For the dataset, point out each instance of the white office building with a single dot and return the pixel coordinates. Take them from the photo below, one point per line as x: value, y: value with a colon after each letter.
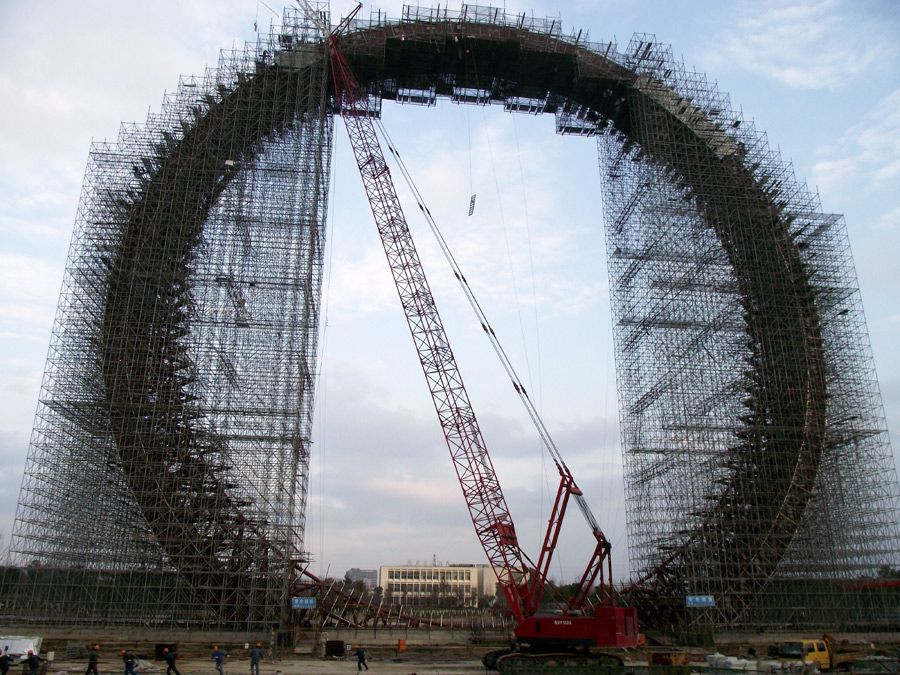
x: 459, y: 585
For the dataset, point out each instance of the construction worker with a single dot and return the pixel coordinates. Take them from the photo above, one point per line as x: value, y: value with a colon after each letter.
x: 170, y: 662
x: 361, y: 659
x: 255, y: 658
x: 128, y: 658
x: 219, y: 657
x: 34, y: 662
x: 93, y: 659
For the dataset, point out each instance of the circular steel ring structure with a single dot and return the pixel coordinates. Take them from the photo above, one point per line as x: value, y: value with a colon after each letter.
x: 148, y: 302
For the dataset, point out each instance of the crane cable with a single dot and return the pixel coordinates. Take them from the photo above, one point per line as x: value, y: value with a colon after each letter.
x: 471, y: 60
x: 542, y: 430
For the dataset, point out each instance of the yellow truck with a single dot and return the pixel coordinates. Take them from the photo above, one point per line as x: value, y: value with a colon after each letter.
x: 825, y: 652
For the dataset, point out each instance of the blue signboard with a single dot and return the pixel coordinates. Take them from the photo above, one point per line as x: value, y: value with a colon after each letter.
x: 700, y: 601
x: 303, y: 603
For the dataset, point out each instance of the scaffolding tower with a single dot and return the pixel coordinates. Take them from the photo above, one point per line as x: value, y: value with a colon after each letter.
x: 167, y: 473
x: 166, y: 477
x: 758, y: 466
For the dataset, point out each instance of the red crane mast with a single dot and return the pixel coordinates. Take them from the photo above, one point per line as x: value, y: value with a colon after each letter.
x: 484, y: 497
x: 522, y: 582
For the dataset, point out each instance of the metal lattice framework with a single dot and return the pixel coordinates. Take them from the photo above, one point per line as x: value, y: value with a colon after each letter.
x: 167, y: 472
x: 757, y: 460
x: 166, y: 481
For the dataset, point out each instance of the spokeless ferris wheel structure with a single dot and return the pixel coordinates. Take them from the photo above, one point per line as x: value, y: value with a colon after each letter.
x: 169, y: 460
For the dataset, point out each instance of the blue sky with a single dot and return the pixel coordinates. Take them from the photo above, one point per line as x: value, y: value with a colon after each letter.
x: 821, y: 78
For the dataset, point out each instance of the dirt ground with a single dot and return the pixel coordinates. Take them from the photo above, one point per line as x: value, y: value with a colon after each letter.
x: 399, y: 665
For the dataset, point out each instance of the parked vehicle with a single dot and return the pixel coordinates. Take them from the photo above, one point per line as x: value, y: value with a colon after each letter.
x: 825, y: 652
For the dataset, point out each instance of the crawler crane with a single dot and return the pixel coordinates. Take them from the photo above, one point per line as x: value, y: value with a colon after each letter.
x: 561, y: 636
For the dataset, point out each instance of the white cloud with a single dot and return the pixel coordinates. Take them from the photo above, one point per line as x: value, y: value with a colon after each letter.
x: 866, y: 159
x: 890, y: 221
x: 809, y: 45
x: 30, y: 286
x: 415, y: 488
x: 360, y: 282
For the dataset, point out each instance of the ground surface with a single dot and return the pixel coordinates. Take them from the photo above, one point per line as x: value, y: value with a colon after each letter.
x: 400, y: 665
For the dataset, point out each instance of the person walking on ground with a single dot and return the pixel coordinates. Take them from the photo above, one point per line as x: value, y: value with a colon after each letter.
x: 361, y: 658
x: 4, y: 663
x: 219, y: 656
x: 170, y: 662
x: 34, y: 662
x: 255, y: 658
x: 128, y: 658
x: 93, y: 659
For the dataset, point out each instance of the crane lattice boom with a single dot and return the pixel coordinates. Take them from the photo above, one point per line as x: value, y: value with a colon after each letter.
x: 523, y: 583
x: 485, y: 500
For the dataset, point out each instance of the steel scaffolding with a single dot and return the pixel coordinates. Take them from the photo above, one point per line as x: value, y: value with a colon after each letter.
x: 758, y: 467
x: 166, y: 478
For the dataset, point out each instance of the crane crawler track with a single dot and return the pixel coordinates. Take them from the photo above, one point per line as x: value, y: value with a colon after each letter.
x: 574, y: 663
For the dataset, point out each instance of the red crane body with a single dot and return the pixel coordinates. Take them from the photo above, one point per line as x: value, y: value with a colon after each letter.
x: 574, y: 623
